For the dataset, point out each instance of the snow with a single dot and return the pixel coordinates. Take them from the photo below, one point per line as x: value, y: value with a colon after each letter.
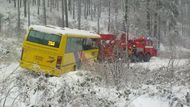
x: 177, y: 48
x: 58, y: 30
x: 146, y: 101
x: 146, y: 96
x: 41, y: 90
x: 156, y: 63
x: 38, y: 90
x: 7, y: 70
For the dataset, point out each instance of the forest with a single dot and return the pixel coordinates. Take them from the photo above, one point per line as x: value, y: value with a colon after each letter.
x: 156, y: 18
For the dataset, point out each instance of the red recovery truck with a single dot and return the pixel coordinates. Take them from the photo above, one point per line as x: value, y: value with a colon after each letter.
x: 139, y: 49
x: 107, y: 44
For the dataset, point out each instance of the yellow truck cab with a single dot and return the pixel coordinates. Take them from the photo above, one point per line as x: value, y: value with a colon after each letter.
x: 55, y: 50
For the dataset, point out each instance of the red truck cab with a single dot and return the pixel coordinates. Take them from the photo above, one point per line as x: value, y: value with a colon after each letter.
x: 144, y: 48
x: 139, y: 49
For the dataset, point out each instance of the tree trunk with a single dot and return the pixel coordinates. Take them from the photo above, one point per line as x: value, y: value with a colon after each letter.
x: 18, y: 23
x: 44, y: 10
x: 15, y: 3
x: 63, y: 13
x: 1, y: 16
x: 94, y: 10
x: 159, y: 32
x: 38, y: 11
x: 69, y: 5
x: 148, y: 18
x: 0, y: 24
x: 51, y: 5
x: 29, y: 1
x: 91, y: 10
x: 99, y: 15
x: 88, y: 7
x: 25, y: 12
x: 85, y: 9
x: 66, y: 15
x: 57, y: 5
x: 74, y: 9
x: 20, y: 1
x: 109, y: 15
x: 155, y: 24
x: 126, y: 24
x: 79, y: 14
x: 126, y: 17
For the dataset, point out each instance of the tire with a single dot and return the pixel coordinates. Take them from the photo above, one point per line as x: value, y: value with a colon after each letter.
x: 147, y: 57
x: 140, y: 57
x: 133, y: 58
x: 74, y: 68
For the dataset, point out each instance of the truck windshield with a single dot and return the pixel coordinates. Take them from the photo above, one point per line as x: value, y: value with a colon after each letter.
x: 43, y: 38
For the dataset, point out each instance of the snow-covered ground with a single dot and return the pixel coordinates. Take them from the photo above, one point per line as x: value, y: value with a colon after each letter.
x: 156, y: 63
x: 19, y: 87
x: 80, y: 88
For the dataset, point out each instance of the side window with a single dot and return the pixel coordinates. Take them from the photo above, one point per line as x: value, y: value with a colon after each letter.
x: 89, y: 44
x: 73, y: 45
x: 68, y: 45
x: 78, y: 44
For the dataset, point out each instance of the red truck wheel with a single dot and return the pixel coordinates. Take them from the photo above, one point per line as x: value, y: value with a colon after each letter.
x: 147, y: 57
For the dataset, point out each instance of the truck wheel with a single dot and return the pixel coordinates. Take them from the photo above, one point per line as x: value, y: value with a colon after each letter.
x: 140, y: 57
x: 147, y: 57
x: 133, y: 58
x: 74, y: 68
